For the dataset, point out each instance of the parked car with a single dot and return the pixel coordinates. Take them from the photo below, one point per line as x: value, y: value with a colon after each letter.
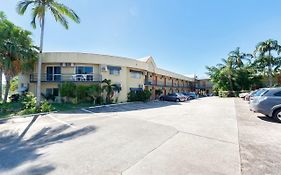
x: 172, y: 97
x: 190, y: 95
x: 247, y: 97
x: 185, y: 96
x: 268, y: 103
x: 256, y: 93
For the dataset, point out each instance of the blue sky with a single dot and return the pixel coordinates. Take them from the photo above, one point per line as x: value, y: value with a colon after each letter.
x: 182, y: 35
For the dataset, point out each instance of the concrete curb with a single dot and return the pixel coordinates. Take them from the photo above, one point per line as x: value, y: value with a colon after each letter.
x: 28, y: 115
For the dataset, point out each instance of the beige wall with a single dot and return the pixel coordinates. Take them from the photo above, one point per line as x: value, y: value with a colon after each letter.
x: 97, y: 61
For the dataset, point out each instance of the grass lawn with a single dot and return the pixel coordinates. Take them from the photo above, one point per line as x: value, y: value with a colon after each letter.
x: 11, y: 109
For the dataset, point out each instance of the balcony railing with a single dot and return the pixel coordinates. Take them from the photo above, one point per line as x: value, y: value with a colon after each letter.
x: 161, y: 84
x: 67, y: 77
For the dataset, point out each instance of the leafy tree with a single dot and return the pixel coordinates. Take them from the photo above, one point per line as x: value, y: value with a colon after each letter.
x: 265, y: 58
x: 39, y: 10
x: 234, y: 74
x: 17, y: 52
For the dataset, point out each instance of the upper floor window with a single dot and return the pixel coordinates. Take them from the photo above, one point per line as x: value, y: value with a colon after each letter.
x: 114, y: 70
x: 53, y: 73
x: 84, y: 70
x: 83, y: 73
x: 136, y: 74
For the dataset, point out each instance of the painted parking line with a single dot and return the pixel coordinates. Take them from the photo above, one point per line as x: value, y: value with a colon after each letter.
x: 61, y: 121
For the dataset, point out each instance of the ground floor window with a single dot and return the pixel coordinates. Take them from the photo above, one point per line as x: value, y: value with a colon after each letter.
x: 52, y: 92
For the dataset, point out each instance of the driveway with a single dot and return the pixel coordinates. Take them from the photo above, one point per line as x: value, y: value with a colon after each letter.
x: 155, y: 138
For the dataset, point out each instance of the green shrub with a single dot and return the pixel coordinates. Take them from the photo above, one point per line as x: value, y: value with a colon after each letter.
x: 68, y: 89
x: 46, y: 107
x: 29, y: 105
x: 82, y: 93
x: 139, y: 95
x: 228, y: 93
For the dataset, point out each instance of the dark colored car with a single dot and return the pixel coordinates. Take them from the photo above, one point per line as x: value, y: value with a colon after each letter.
x: 190, y: 95
x: 173, y: 97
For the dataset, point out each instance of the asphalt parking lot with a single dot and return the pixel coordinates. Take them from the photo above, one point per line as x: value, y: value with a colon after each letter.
x: 259, y: 139
x: 158, y: 138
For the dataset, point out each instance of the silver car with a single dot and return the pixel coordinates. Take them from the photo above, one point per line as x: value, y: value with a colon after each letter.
x: 268, y: 102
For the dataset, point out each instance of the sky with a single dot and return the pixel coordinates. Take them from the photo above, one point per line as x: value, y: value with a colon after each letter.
x: 182, y: 36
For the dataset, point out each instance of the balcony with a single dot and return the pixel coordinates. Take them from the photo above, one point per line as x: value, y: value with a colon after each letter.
x: 67, y: 77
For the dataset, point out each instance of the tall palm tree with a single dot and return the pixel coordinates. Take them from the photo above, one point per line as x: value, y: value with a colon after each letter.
x: 238, y: 57
x: 265, y: 57
x: 39, y: 10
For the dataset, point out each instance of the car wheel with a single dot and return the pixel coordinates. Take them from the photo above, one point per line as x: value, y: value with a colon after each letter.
x: 277, y: 115
x: 161, y: 99
x: 177, y: 100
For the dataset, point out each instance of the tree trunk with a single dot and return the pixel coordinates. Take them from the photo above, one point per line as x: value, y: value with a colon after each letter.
x: 39, y: 66
x: 270, y: 75
x: 270, y: 70
x: 7, y: 88
x: 1, y: 85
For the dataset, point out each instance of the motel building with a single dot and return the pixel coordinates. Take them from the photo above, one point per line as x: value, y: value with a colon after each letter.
x: 85, y: 68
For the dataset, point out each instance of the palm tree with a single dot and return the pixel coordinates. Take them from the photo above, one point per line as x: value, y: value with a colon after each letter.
x: 39, y: 10
x: 109, y: 89
x: 238, y: 57
x: 268, y: 60
x: 17, y: 54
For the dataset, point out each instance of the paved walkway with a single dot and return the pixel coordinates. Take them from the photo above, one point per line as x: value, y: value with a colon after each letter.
x: 157, y: 138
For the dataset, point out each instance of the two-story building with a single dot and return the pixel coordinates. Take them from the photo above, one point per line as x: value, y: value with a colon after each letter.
x: 86, y: 68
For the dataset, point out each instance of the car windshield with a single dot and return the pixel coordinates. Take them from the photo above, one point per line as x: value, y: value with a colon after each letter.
x: 260, y: 92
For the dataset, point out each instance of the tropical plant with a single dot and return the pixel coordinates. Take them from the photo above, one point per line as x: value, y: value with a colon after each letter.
x: 17, y: 52
x: 109, y: 89
x: 94, y: 92
x: 68, y: 90
x: 39, y: 10
x: 234, y: 74
x: 238, y: 57
x: 139, y: 95
x: 265, y: 58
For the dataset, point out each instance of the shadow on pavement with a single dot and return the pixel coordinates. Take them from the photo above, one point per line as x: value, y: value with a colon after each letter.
x: 132, y: 106
x: 15, y: 151
x: 268, y: 119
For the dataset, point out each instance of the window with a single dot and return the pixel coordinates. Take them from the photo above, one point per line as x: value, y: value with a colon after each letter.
x: 84, y: 73
x: 114, y: 70
x: 52, y: 91
x: 136, y: 74
x: 53, y: 73
x: 278, y: 94
x: 84, y: 70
